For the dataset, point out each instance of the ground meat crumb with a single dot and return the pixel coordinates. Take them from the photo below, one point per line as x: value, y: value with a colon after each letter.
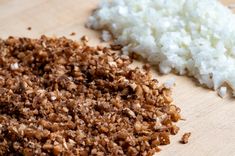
x: 146, y: 66
x: 60, y: 97
x: 185, y: 138
x: 72, y: 34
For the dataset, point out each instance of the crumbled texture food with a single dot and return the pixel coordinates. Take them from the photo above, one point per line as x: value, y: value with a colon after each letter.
x: 147, y: 66
x: 29, y: 28
x: 185, y: 137
x: 72, y: 34
x: 59, y: 97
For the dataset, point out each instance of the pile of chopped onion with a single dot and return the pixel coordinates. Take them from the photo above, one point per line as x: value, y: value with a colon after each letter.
x: 193, y: 37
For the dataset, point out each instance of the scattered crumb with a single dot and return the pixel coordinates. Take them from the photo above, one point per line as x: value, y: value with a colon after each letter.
x: 72, y: 34
x: 29, y: 28
x: 182, y: 119
x: 84, y: 39
x: 134, y: 56
x: 116, y: 47
x: 185, y: 137
x: 147, y: 66
x: 100, y: 47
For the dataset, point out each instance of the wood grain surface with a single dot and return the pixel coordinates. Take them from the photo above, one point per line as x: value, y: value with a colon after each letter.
x: 210, y: 118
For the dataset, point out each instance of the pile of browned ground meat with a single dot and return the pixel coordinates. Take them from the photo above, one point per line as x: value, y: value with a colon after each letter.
x: 60, y: 97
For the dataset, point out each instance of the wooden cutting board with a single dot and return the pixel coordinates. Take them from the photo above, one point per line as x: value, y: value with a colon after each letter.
x: 210, y: 118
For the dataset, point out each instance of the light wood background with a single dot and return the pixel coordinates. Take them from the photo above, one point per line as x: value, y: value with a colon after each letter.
x: 210, y: 118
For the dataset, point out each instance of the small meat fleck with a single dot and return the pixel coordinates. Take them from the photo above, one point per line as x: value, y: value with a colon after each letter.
x: 73, y: 34
x: 185, y: 138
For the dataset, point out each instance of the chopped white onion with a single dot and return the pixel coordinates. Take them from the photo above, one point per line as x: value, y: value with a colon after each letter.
x: 222, y: 92
x: 193, y: 37
x: 14, y: 66
x: 170, y: 83
x: 53, y: 98
x: 106, y: 36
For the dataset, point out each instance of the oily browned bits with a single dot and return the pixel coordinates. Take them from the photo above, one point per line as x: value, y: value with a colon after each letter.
x: 185, y: 138
x: 134, y: 56
x: 72, y: 33
x: 147, y: 66
x: 116, y: 47
x: 84, y: 39
x: 174, y: 130
x: 67, y: 98
x: 47, y: 146
x: 164, y: 138
x: 57, y: 150
x: 175, y: 116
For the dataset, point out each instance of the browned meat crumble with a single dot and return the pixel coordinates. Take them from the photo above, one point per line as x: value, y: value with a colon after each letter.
x: 59, y: 97
x: 72, y: 34
x: 185, y: 138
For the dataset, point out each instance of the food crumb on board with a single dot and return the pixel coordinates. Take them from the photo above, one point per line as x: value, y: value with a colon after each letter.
x: 68, y: 98
x: 29, y: 28
x: 72, y: 34
x: 185, y: 138
x: 147, y: 66
x: 84, y: 38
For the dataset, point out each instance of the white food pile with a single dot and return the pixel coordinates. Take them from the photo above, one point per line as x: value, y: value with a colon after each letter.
x: 193, y: 37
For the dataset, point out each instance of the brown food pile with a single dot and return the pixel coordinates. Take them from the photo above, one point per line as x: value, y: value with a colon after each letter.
x: 62, y: 97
